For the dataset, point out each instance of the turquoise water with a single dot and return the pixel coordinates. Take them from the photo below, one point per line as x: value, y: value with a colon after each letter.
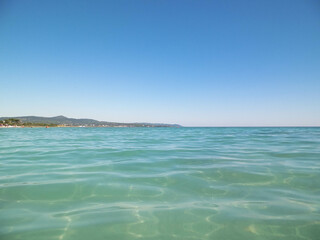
x: 160, y: 183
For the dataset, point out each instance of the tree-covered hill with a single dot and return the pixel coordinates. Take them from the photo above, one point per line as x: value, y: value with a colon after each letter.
x: 62, y: 120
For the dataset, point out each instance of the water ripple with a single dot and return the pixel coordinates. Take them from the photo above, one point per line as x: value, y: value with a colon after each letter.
x: 160, y: 183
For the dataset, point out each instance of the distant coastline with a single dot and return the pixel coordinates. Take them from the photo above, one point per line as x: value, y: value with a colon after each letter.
x: 62, y: 121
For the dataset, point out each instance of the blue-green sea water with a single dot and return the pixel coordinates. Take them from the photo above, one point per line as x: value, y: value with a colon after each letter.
x: 160, y: 183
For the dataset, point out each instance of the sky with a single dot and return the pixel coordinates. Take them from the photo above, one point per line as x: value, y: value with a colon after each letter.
x: 194, y: 63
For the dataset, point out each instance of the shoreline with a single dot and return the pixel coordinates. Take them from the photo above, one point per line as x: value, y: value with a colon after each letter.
x: 84, y: 127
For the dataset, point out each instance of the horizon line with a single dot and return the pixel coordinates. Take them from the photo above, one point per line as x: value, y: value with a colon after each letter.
x: 219, y: 126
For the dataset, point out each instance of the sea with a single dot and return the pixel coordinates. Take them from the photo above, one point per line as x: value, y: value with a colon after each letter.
x: 160, y: 183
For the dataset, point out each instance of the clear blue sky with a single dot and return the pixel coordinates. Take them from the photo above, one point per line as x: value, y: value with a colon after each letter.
x: 196, y: 63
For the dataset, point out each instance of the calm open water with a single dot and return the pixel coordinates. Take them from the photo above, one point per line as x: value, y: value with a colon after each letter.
x: 160, y: 183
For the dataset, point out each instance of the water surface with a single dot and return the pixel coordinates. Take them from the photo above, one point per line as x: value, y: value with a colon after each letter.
x: 160, y: 183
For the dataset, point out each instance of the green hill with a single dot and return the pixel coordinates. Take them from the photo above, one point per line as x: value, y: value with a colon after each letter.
x: 62, y: 120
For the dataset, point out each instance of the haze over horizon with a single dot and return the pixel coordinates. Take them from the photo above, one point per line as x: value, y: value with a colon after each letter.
x: 194, y: 63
